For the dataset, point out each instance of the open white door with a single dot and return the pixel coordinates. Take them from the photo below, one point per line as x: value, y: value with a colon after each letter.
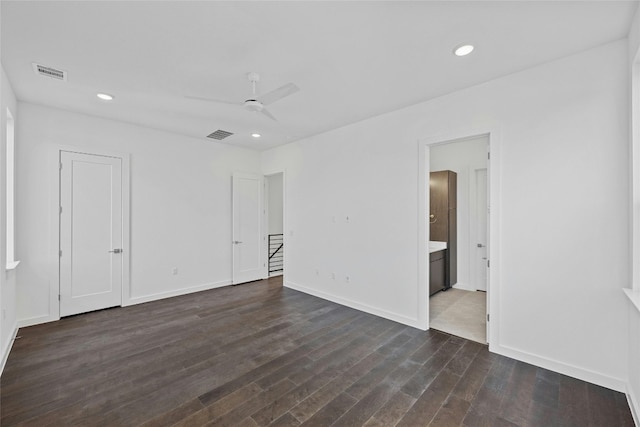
x: 90, y: 232
x: 482, y: 227
x: 248, y: 224
x: 480, y: 261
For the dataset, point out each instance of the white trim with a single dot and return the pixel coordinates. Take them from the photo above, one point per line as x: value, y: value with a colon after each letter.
x: 12, y: 265
x: 8, y: 347
x: 36, y: 320
x: 176, y: 292
x: 634, y: 297
x: 354, y: 304
x: 464, y: 286
x: 617, y: 384
x: 633, y: 405
x: 54, y: 200
x: 494, y: 194
x: 10, y: 191
x: 634, y: 159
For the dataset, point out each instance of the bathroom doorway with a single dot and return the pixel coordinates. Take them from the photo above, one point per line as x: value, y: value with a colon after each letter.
x: 458, y: 257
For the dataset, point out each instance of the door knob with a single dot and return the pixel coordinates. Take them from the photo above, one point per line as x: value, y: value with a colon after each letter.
x: 480, y: 245
x: 116, y: 251
x: 235, y: 242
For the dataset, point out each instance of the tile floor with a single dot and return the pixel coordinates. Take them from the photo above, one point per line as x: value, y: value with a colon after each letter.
x: 461, y: 313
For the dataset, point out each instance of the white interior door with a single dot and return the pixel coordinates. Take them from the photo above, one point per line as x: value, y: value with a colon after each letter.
x: 90, y: 232
x: 481, y: 230
x: 248, y: 224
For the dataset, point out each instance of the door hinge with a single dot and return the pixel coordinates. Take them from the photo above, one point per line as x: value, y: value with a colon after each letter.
x: 60, y: 209
x: 488, y: 155
x: 487, y: 317
x: 60, y: 168
x: 58, y: 297
x: 488, y: 264
x: 60, y: 253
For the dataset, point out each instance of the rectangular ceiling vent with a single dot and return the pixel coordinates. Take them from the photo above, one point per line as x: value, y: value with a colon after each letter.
x: 219, y: 134
x: 50, y: 72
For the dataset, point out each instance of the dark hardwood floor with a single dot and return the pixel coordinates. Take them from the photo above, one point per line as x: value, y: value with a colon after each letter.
x: 260, y: 354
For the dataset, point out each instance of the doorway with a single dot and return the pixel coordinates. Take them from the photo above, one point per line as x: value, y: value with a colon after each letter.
x: 274, y: 200
x: 92, y: 221
x: 459, y: 305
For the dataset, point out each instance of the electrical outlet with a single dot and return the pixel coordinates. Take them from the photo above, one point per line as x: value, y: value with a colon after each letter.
x: 347, y: 279
x: 333, y: 276
x: 347, y: 218
x: 174, y: 271
x: 317, y: 272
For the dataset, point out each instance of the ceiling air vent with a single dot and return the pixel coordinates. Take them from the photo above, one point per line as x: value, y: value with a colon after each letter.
x: 219, y: 134
x: 49, y: 72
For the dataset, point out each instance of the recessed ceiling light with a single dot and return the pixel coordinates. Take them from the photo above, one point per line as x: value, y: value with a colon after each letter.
x: 256, y: 135
x: 105, y: 96
x: 463, y: 50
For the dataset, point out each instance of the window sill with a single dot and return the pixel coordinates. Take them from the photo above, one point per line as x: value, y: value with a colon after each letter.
x: 634, y: 296
x: 12, y: 265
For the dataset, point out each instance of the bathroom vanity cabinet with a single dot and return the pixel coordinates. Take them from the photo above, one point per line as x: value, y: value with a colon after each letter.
x: 443, y: 220
x: 437, y: 274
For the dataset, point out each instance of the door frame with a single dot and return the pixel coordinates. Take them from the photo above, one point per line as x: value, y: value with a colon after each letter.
x: 493, y: 133
x: 54, y: 217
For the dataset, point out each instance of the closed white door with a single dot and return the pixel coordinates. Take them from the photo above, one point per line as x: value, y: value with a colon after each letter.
x: 90, y: 232
x: 481, y: 230
x: 248, y: 224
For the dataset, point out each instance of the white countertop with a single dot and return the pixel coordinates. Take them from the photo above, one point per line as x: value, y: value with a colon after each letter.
x: 435, y: 246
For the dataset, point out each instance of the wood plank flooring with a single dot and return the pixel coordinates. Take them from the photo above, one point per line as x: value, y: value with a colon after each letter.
x: 259, y: 354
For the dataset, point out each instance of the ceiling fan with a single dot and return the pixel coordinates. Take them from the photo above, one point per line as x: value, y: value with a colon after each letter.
x: 256, y: 104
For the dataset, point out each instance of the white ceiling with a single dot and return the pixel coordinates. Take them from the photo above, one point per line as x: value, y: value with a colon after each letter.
x: 351, y: 60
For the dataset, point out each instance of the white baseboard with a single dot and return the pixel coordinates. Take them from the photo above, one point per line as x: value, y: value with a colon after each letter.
x: 31, y: 321
x: 356, y: 305
x: 175, y: 293
x: 7, y: 348
x: 597, y: 378
x: 464, y: 287
x: 633, y: 405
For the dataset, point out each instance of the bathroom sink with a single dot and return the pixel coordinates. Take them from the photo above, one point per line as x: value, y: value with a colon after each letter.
x: 435, y: 246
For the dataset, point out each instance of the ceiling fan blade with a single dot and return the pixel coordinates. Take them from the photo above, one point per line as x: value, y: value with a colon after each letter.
x: 219, y: 101
x: 268, y: 114
x: 279, y: 93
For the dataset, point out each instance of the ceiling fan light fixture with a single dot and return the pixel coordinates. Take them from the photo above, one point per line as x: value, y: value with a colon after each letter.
x: 463, y: 50
x: 253, y: 105
x: 256, y: 135
x: 105, y: 96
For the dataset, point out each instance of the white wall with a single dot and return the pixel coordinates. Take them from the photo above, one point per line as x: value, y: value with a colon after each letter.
x: 463, y: 157
x: 180, y: 204
x: 564, y: 210
x: 274, y: 202
x: 7, y: 277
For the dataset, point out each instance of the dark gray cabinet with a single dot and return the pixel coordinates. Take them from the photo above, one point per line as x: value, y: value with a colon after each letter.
x: 443, y: 219
x: 436, y: 271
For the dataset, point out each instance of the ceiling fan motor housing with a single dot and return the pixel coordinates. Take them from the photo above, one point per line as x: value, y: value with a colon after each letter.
x: 253, y: 105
